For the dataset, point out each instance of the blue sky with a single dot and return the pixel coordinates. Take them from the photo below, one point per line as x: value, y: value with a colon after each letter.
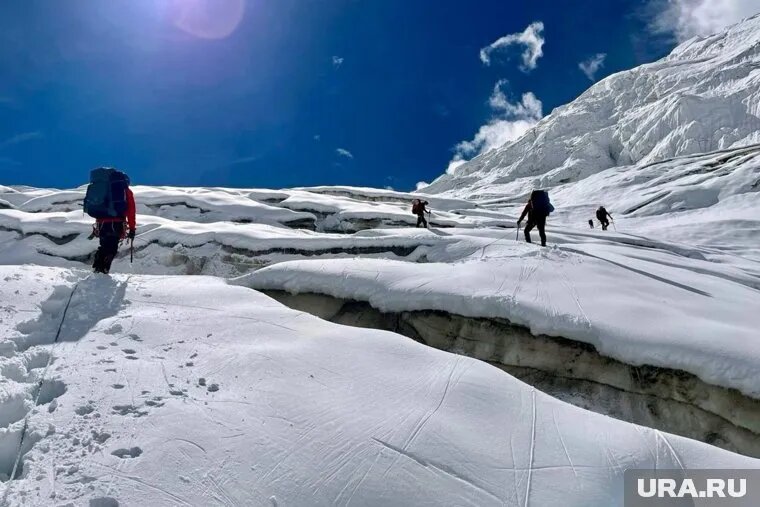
x: 275, y: 93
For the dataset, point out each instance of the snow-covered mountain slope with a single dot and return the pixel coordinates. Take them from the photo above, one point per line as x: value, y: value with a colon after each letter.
x: 224, y: 231
x: 682, y: 309
x: 704, y: 96
x: 710, y: 200
x: 187, y: 391
x: 638, y: 306
x: 694, y: 280
x: 623, y: 323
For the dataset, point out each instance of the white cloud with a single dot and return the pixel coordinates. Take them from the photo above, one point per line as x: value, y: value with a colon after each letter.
x: 591, y: 65
x: 20, y: 138
x: 532, y: 38
x: 344, y: 153
x: 337, y: 61
x: 529, y: 107
x: 510, y: 122
x: 317, y: 137
x: 687, y: 18
x: 421, y: 184
x: 243, y: 160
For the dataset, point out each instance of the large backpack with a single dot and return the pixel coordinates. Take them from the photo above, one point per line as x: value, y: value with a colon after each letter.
x: 540, y: 202
x: 416, y: 206
x: 106, y: 195
x: 601, y: 214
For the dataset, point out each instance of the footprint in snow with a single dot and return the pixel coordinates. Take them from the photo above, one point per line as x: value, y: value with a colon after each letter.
x: 155, y: 402
x: 84, y: 410
x: 100, y: 437
x: 129, y: 410
x: 115, y: 329
x: 133, y: 452
x: 104, y: 501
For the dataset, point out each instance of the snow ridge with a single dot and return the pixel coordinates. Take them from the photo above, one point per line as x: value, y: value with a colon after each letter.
x: 704, y: 96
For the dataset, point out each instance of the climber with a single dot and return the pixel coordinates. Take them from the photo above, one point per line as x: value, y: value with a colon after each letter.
x: 418, y: 208
x: 601, y: 215
x: 537, y: 209
x: 111, y: 203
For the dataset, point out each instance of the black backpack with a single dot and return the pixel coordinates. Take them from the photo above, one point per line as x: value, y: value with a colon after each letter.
x: 540, y: 203
x: 601, y: 214
x: 106, y: 195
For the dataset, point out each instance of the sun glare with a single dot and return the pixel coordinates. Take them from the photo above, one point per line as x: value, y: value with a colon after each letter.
x: 207, y: 19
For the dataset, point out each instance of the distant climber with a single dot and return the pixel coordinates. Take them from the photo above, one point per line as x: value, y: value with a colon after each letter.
x: 538, y: 208
x: 601, y: 215
x: 591, y: 223
x: 418, y: 208
x: 111, y: 203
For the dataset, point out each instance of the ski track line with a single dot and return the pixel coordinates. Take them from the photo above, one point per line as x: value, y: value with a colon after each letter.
x: 514, y: 470
x: 215, y: 489
x: 343, y: 459
x: 186, y: 441
x: 359, y: 483
x: 641, y: 272
x: 425, y: 420
x: 439, y: 468
x: 564, y: 447
x: 532, y: 447
x: 670, y: 447
x: 118, y: 473
x: 573, y: 293
x: 195, y: 307
x: 41, y: 381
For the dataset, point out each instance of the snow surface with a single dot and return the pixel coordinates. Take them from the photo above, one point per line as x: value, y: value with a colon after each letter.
x: 634, y: 305
x: 704, y: 96
x: 151, y: 400
x: 180, y: 390
x: 664, y: 301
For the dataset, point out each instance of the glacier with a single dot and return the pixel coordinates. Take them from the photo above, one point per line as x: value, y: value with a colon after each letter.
x: 704, y: 96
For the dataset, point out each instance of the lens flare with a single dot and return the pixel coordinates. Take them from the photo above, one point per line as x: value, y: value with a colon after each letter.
x: 207, y: 19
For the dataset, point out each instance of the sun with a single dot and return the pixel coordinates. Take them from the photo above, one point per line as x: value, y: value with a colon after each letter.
x: 207, y: 19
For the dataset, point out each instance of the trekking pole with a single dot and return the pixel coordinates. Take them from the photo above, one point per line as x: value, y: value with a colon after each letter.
x: 517, y: 235
x: 131, y: 250
x: 614, y: 226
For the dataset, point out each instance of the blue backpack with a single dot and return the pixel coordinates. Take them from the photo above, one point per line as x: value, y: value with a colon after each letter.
x: 540, y: 202
x: 106, y: 195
